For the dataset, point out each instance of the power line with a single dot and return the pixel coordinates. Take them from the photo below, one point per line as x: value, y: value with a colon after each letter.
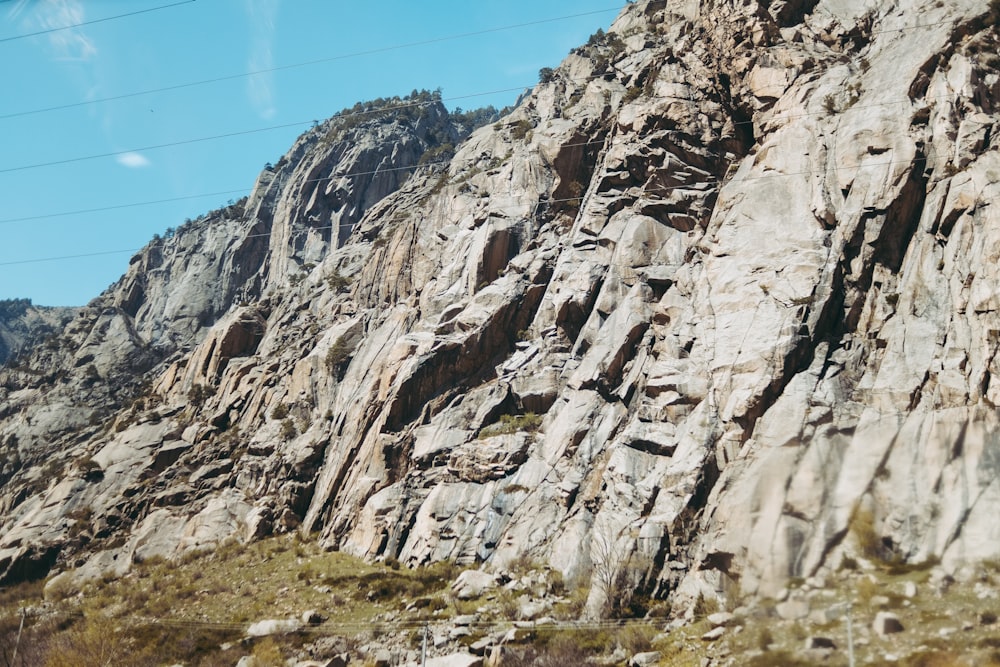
x: 55, y: 259
x: 116, y: 207
x: 308, y: 63
x: 107, y: 18
x: 332, y: 626
x: 184, y: 142
x: 398, y: 107
x: 688, y: 186
x: 345, y: 56
x: 112, y: 207
x: 339, y: 116
x: 297, y: 123
x: 848, y: 34
x: 321, y: 179
x: 327, y: 626
x: 919, y: 26
x: 258, y: 130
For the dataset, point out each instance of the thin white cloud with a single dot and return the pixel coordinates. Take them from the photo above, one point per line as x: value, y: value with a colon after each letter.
x: 133, y: 160
x: 72, y: 44
x: 16, y: 9
x: 260, y: 87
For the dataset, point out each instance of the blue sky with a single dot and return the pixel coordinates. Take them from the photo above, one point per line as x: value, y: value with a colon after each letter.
x: 161, y: 46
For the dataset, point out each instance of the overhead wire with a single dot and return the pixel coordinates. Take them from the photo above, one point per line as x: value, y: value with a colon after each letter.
x: 329, y: 628
x: 321, y: 179
x: 330, y: 624
x: 334, y: 627
x: 301, y: 123
x: 884, y: 31
x: 308, y: 63
x: 92, y: 22
x: 355, y: 174
x: 39, y: 260
x: 226, y: 135
x: 183, y: 142
x: 346, y: 114
x: 345, y: 56
x: 381, y: 110
x: 115, y: 207
x: 400, y: 624
x: 686, y: 186
x: 111, y: 207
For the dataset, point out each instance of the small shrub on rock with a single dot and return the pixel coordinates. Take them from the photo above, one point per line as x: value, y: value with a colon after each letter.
x: 529, y: 422
x: 993, y: 16
x: 520, y: 129
x: 337, y: 282
x: 200, y: 393
x: 338, y: 353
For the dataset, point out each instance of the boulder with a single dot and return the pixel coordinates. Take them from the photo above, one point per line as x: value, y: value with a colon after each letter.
x: 312, y: 617
x: 60, y: 586
x: 645, y: 659
x: 335, y: 661
x: 886, y: 623
x: 792, y: 610
x: 820, y: 643
x: 720, y: 618
x: 825, y: 615
x: 482, y: 646
x: 529, y: 609
x: 273, y: 627
x: 518, y: 636
x: 471, y: 584
x: 456, y: 660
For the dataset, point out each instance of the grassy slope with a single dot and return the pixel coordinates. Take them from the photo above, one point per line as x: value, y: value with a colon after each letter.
x: 196, y: 612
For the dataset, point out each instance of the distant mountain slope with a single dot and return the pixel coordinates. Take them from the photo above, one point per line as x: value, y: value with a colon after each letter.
x: 23, y: 324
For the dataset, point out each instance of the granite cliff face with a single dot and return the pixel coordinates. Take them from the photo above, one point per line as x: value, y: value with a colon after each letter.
x: 23, y: 324
x: 714, y: 306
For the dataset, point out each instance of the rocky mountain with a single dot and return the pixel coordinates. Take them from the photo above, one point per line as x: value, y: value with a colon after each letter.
x: 22, y: 323
x: 713, y: 307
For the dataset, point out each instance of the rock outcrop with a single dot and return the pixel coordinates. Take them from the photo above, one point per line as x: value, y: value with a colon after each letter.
x: 714, y: 306
x: 23, y: 324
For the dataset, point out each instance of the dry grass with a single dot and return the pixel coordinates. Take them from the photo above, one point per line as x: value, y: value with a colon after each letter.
x: 206, y: 600
x: 862, y: 528
x: 184, y: 611
x: 954, y: 627
x: 270, y: 579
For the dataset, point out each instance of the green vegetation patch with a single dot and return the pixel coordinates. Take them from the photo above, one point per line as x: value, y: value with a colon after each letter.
x: 186, y: 611
x: 528, y: 422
